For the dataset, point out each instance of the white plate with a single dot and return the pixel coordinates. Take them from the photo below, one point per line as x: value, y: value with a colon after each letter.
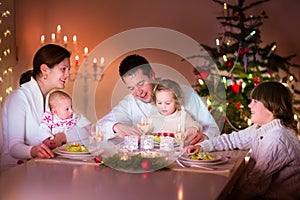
x: 200, y: 162
x: 73, y: 156
x: 62, y: 150
x: 216, y: 158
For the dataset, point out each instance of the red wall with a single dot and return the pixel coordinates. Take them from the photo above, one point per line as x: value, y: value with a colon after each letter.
x: 96, y: 20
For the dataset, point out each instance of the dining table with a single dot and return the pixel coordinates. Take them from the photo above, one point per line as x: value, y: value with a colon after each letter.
x: 66, y: 179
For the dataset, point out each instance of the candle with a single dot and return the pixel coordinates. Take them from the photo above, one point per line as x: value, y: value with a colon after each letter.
x: 58, y: 29
x: 42, y: 39
x: 65, y: 39
x: 85, y: 51
x: 182, y: 120
x: 101, y: 62
x: 53, y: 37
x: 225, y: 10
x: 142, y: 121
x: 218, y: 45
x: 58, y: 32
x: 95, y: 62
x: 74, y: 39
x: 217, y: 42
x: 76, y: 60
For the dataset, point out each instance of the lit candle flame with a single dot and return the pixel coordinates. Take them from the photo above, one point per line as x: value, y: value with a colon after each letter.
x: 65, y: 39
x: 74, y: 39
x: 43, y: 39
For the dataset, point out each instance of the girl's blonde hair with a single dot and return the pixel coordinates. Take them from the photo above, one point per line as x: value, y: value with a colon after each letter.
x: 169, y: 85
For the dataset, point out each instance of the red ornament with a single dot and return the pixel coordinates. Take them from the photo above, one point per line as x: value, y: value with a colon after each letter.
x: 270, y: 72
x: 256, y: 81
x: 204, y: 74
x: 229, y: 63
x: 98, y: 159
x: 241, y: 51
x: 238, y: 105
x: 247, y: 49
x: 235, y: 88
x: 146, y: 164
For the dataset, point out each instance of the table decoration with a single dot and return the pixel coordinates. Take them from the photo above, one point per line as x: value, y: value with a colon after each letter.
x: 147, y: 158
x: 147, y: 142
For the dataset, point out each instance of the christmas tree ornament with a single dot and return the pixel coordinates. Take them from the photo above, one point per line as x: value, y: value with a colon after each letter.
x: 229, y: 63
x: 235, y: 88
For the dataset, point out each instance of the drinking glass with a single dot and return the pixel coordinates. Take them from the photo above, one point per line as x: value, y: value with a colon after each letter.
x: 144, y: 126
x: 96, y: 137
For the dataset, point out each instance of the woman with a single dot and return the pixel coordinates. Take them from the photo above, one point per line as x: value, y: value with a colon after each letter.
x: 24, y: 108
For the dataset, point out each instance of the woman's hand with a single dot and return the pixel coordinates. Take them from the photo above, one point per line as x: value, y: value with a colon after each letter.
x: 123, y: 130
x: 41, y: 151
x: 193, y: 149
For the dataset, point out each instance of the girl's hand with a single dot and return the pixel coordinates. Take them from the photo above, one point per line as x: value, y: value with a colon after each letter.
x: 41, y: 151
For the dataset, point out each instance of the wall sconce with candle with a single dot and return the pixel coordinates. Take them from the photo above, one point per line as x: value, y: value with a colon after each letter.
x: 96, y: 74
x: 97, y: 68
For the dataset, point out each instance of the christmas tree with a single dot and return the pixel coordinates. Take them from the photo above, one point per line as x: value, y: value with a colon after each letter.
x: 242, y: 64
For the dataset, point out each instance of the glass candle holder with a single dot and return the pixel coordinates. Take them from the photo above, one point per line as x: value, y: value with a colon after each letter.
x: 131, y: 142
x: 147, y: 142
x: 167, y: 143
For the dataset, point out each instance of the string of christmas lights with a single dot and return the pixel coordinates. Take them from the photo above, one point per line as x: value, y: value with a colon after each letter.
x: 7, y: 46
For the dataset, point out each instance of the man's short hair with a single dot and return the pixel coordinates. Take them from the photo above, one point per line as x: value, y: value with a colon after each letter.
x: 131, y: 63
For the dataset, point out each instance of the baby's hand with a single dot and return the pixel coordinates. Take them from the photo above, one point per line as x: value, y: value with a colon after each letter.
x: 50, y: 143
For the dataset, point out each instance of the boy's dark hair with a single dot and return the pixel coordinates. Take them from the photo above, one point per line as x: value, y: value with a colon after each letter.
x: 277, y: 99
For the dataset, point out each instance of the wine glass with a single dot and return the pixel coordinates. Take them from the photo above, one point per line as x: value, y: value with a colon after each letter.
x: 145, y: 125
x: 96, y: 137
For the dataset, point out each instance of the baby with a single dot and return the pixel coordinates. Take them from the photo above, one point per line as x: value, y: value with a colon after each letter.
x: 62, y: 118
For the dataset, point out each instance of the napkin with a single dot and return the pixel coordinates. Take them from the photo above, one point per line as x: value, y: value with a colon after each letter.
x: 58, y: 160
x: 224, y: 169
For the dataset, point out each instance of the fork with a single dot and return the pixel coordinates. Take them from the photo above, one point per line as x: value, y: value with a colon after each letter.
x: 193, y: 165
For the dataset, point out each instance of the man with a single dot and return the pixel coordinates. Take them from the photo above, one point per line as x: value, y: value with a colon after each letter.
x: 138, y: 76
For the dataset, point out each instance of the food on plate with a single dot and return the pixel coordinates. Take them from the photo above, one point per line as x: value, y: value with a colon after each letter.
x: 76, y: 147
x: 201, y: 156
